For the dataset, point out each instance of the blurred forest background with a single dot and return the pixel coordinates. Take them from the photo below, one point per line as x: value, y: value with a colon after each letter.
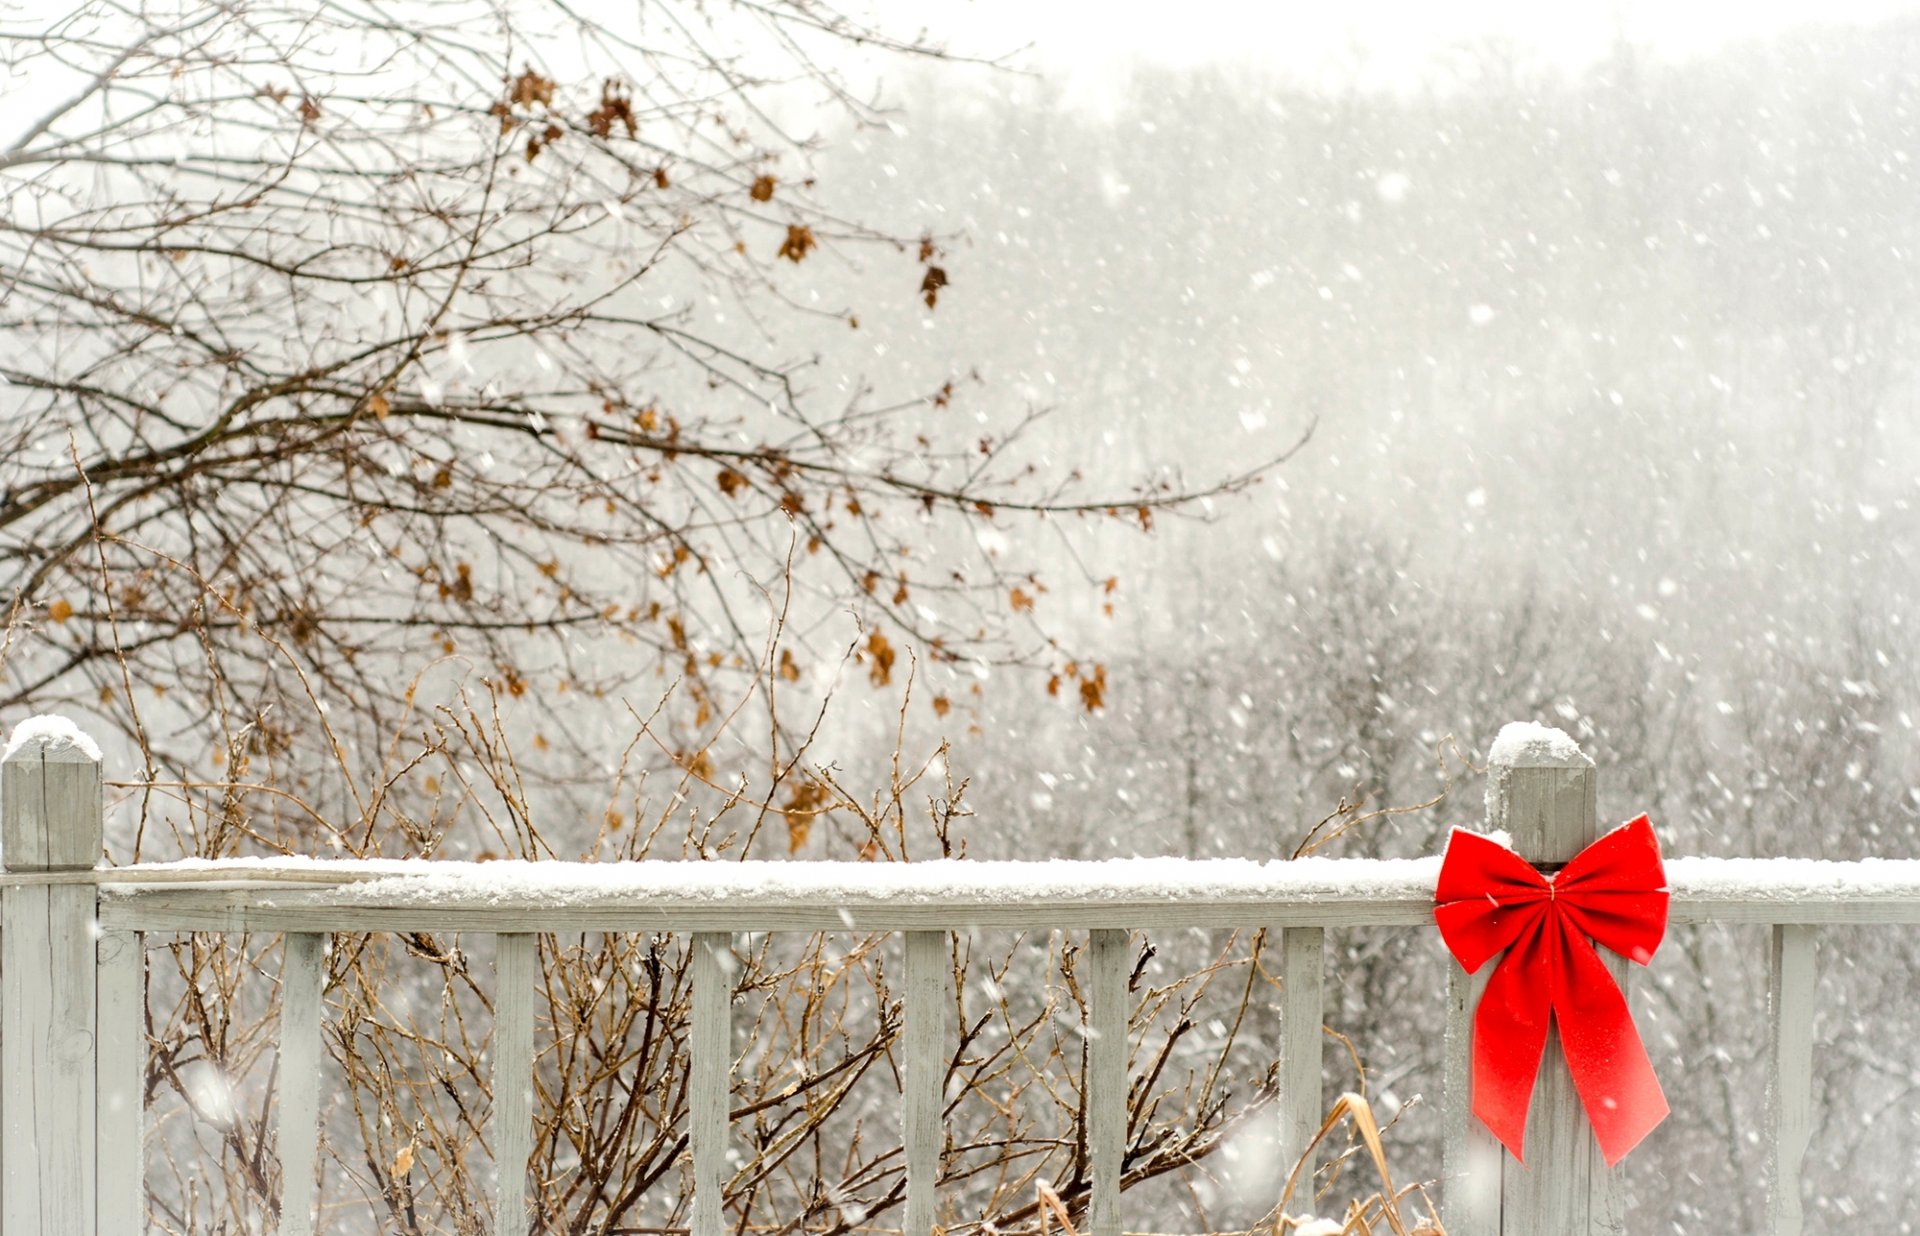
x: 1613, y: 382
x: 1214, y: 459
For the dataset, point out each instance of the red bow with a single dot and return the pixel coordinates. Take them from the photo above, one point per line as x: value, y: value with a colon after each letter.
x: 1490, y: 899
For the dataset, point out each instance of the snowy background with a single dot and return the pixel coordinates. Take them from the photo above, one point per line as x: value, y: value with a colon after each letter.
x: 1600, y: 330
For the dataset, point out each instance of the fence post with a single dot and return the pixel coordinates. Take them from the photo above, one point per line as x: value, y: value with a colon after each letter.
x: 1540, y: 790
x: 50, y: 821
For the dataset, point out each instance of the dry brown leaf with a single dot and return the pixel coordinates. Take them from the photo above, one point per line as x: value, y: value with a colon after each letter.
x: 930, y: 285
x: 530, y: 88
x: 809, y: 799
x: 798, y: 244
x: 616, y: 105
x: 879, y: 656
x: 1093, y: 689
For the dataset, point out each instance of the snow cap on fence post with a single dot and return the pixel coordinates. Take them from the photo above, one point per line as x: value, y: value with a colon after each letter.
x: 51, y: 817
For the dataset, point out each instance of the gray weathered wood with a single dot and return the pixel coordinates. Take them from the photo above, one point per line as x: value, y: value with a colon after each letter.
x: 120, y: 1073
x: 1606, y: 1192
x: 50, y: 805
x: 1790, y: 994
x: 515, y: 970
x: 1547, y: 805
x: 1472, y: 1158
x: 1106, y: 1079
x: 1302, y: 1019
x: 303, y: 977
x: 926, y: 1068
x: 1334, y: 893
x: 218, y: 907
x: 712, y: 1070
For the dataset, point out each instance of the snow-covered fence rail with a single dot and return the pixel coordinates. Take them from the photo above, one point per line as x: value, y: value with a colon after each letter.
x: 72, y: 978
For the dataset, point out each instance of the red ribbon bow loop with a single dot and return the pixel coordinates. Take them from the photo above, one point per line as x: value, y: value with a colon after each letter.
x: 1490, y: 899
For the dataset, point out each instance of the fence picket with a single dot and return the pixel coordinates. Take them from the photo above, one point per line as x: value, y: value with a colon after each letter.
x: 926, y: 1062
x: 1470, y: 1157
x: 1790, y: 993
x: 120, y: 1073
x: 1302, y: 1089
x: 51, y: 819
x: 1106, y: 1080
x: 302, y: 980
x: 712, y: 1067
x: 515, y: 973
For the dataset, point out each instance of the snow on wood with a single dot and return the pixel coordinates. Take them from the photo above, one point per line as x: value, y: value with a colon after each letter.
x: 1791, y: 879
x: 388, y: 881
x: 56, y: 736
x: 1140, y: 893
x: 1525, y: 744
x: 462, y: 883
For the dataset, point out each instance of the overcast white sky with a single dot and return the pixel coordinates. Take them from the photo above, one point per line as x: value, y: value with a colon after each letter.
x: 1089, y: 43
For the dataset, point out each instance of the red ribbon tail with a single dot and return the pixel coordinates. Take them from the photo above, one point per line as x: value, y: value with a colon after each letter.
x: 1607, y: 1058
x: 1509, y: 1036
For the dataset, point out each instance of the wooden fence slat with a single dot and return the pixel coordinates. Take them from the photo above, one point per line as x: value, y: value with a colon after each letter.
x: 1606, y: 1195
x: 1106, y: 1080
x: 215, y: 899
x: 1790, y: 995
x: 712, y: 1069
x: 516, y: 961
x: 120, y: 1073
x: 51, y: 819
x: 924, y: 1099
x: 1471, y: 1157
x: 302, y: 982
x: 1545, y: 799
x: 1302, y: 1087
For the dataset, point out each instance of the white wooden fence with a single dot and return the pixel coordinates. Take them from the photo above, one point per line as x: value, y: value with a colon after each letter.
x: 72, y: 975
